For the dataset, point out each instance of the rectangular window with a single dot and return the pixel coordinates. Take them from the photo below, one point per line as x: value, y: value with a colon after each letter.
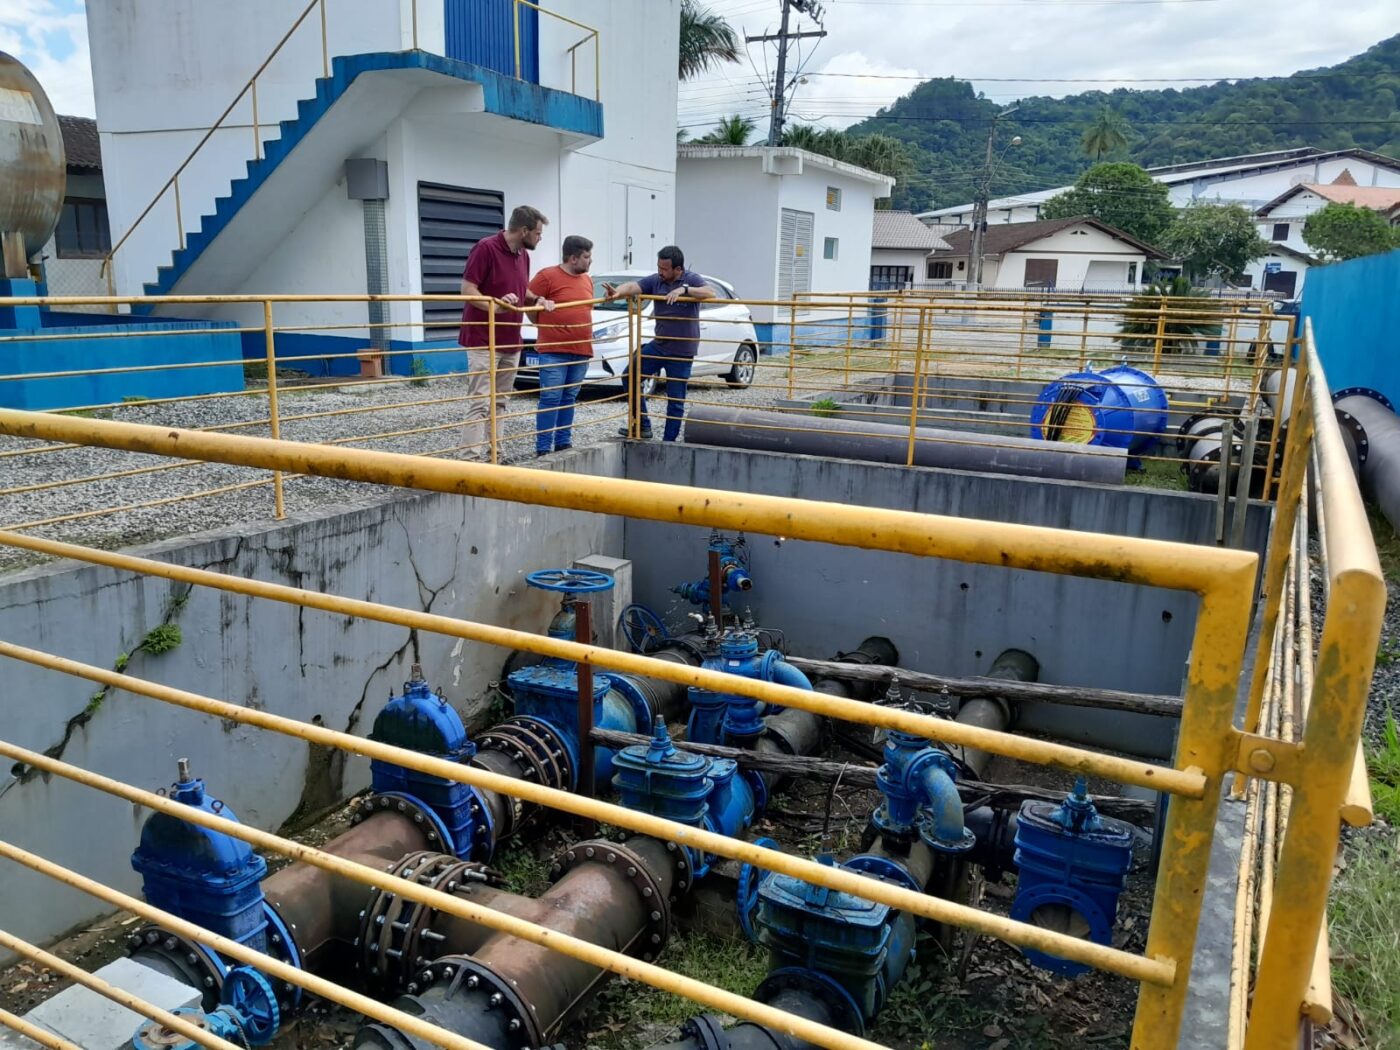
x: 829, y: 248
x: 888, y: 278
x: 1280, y: 231
x: 833, y: 198
x: 940, y: 271
x: 82, y: 229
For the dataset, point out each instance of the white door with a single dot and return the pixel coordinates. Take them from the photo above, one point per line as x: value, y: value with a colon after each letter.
x: 641, y: 228
x: 795, y: 254
x: 617, y: 230
x: 1106, y: 275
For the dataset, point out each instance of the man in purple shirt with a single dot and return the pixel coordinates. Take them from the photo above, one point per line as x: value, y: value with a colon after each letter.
x: 672, y: 349
x: 499, y: 268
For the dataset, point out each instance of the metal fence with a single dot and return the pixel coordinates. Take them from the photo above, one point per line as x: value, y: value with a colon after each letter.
x: 1310, y: 753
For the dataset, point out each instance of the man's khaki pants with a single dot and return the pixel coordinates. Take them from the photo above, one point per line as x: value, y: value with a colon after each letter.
x: 478, y: 390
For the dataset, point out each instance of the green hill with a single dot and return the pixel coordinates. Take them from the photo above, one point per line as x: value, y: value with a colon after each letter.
x: 945, y: 122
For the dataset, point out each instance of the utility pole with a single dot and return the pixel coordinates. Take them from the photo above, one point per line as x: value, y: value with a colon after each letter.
x: 984, y: 193
x: 780, y: 85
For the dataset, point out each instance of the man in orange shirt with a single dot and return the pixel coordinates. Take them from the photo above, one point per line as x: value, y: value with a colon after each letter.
x: 565, y: 343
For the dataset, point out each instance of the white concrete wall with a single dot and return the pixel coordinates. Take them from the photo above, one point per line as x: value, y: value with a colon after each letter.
x: 915, y: 259
x: 727, y: 223
x: 852, y: 226
x: 445, y: 554
x: 1075, y: 249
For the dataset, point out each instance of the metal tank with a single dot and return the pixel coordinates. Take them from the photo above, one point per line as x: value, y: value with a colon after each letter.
x: 1119, y: 407
x: 33, y: 168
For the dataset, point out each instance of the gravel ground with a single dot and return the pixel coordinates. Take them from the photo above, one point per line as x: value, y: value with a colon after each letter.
x: 376, y: 409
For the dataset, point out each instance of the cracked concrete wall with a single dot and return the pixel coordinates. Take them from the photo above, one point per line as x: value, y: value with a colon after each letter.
x: 947, y: 617
x: 445, y: 554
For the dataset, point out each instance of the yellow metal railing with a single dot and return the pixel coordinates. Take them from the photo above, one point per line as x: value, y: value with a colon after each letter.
x: 590, y: 34
x: 1316, y: 759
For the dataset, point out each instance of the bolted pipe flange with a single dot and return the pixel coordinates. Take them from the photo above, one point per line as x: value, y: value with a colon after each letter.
x: 846, y: 1013
x: 418, y: 811
x: 466, y: 978
x: 198, y: 966
x: 282, y: 946
x: 654, y: 904
x: 396, y: 933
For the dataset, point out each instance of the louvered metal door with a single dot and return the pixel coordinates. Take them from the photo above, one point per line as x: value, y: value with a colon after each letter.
x: 795, y: 254
x: 451, y: 219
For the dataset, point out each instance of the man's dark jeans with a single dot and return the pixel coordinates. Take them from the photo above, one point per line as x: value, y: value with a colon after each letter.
x: 656, y: 359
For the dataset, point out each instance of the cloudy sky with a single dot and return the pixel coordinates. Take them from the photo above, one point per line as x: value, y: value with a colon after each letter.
x: 878, y: 49
x: 1013, y: 48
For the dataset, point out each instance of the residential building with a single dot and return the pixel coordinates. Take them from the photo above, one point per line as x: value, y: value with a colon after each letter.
x: 72, y: 259
x: 1282, y: 219
x: 376, y: 164
x: 1251, y: 180
x: 1080, y: 254
x: 775, y: 221
x: 900, y: 252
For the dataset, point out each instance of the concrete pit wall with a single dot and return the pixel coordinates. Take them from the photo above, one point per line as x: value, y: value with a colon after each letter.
x: 445, y: 554
x: 947, y: 617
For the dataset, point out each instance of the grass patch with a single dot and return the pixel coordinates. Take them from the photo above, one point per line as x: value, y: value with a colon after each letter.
x: 1387, y: 543
x: 1383, y: 763
x: 161, y: 639
x: 420, y: 371
x: 524, y: 871
x: 732, y: 964
x: 1365, y: 929
x: 825, y: 407
x: 1158, y: 474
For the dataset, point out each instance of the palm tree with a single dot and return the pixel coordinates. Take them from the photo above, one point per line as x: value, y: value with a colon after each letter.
x: 730, y: 131
x: 1186, y: 316
x: 707, y: 40
x: 1107, y: 134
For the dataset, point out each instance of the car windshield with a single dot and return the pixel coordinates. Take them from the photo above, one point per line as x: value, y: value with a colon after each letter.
x: 598, y: 291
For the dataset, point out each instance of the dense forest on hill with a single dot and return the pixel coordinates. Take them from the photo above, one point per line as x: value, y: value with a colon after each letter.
x: 944, y: 123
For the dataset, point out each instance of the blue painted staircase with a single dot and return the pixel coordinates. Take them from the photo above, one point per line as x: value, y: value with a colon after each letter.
x: 504, y: 96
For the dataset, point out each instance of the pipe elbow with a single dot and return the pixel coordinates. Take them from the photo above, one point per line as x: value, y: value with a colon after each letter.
x: 942, y: 804
x: 783, y: 673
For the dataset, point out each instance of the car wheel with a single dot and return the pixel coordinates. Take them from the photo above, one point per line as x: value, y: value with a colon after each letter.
x: 745, y: 365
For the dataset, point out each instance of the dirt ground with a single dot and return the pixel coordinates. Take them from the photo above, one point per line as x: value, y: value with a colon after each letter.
x: 981, y: 995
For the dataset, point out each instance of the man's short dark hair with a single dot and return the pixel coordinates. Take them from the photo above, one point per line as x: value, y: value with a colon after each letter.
x: 574, y: 246
x: 526, y: 218
x: 672, y: 255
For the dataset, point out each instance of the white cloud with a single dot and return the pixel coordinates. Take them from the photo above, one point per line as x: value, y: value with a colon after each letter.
x: 37, y: 32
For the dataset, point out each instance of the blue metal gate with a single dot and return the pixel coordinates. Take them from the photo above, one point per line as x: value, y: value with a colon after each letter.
x: 483, y: 32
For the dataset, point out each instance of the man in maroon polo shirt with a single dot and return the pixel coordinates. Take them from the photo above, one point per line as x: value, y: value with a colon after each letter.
x: 498, y: 267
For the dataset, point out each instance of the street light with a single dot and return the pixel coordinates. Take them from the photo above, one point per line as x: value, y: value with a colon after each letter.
x: 984, y: 191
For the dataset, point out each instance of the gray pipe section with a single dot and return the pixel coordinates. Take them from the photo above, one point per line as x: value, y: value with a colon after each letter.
x: 1380, y: 469
x: 1015, y: 665
x: 889, y: 443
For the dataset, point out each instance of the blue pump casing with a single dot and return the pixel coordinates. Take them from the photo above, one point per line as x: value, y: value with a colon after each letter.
x: 1070, y: 857
x: 858, y: 944
x: 1120, y: 407
x: 203, y: 875
x: 423, y: 721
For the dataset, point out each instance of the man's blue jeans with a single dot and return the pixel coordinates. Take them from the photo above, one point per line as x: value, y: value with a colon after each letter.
x: 655, y: 360
x: 560, y: 378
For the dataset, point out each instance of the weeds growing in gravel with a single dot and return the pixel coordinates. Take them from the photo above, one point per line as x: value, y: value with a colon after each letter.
x: 1383, y: 762
x: 1365, y: 929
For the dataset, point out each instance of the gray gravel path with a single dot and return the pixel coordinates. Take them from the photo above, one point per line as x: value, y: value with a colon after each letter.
x: 375, y: 410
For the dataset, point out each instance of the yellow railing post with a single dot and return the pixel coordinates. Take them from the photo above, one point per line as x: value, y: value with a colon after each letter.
x: 415, y: 25
x: 274, y: 422
x: 634, y: 369
x: 325, y: 44
x: 179, y: 215
x: 597, y: 68
x: 792, y: 345
x: 1161, y: 333
x: 257, y: 131
x: 515, y: 11
x: 491, y: 380
x: 914, y: 392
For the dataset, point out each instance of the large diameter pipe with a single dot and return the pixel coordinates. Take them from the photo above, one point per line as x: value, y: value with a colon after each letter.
x: 1380, y: 469
x: 889, y: 443
x: 1014, y: 665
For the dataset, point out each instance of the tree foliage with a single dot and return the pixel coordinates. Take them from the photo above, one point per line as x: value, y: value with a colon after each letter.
x: 944, y: 123
x: 1214, y: 240
x: 1122, y: 195
x: 1345, y: 231
x: 1107, y: 134
x: 730, y: 131
x: 1185, y: 315
x: 879, y: 153
x: 707, y: 40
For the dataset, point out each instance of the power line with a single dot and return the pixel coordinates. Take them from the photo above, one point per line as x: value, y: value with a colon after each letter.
x: 1105, y: 80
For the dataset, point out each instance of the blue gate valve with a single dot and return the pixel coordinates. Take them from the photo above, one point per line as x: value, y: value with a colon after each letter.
x: 733, y: 571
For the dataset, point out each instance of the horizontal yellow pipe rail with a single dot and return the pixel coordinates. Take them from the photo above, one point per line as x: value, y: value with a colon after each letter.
x: 773, y: 860
x: 269, y: 966
x: 376, y: 878
x: 1180, y: 782
x: 1177, y: 566
x: 120, y: 996
x: 40, y: 1035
